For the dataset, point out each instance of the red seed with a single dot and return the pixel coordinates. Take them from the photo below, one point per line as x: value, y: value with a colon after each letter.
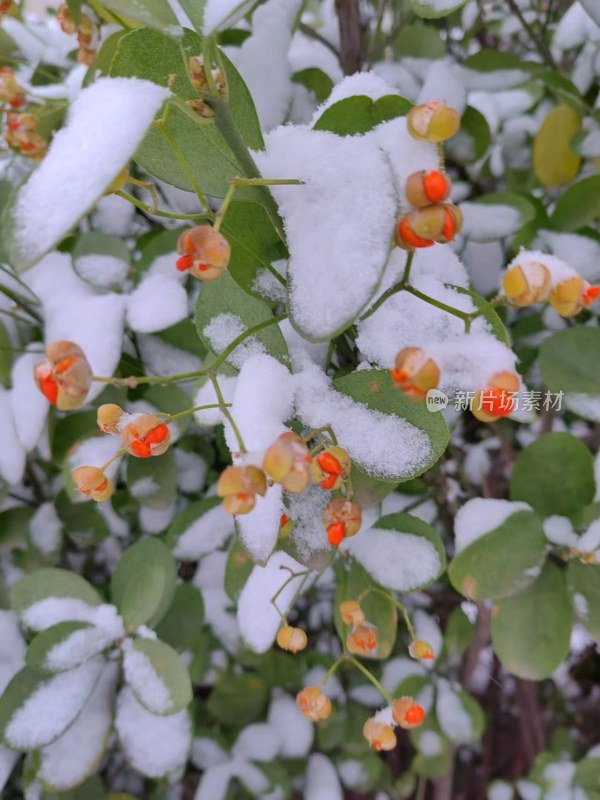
x: 141, y: 448
x: 329, y: 482
x: 329, y: 463
x: 157, y: 435
x: 414, y: 715
x: 449, y: 227
x: 184, y: 263
x: 49, y: 389
x: 435, y: 186
x: 409, y: 237
x: 336, y: 533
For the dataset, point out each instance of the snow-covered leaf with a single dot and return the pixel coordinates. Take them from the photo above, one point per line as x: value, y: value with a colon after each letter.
x: 433, y: 9
x: 225, y: 311
x: 101, y: 260
x: 460, y: 716
x: 36, y: 708
x: 143, y: 583
x: 74, y: 756
x: 257, y: 616
x: 525, y: 645
x: 400, y: 552
x: 157, y: 676
x: 555, y: 475
x: 496, y: 216
x: 66, y: 645
x: 48, y: 596
x: 154, y: 745
x: 199, y: 529
x: 153, y: 481
x: 493, y: 532
x: 322, y: 782
x: 583, y: 581
x: 151, y: 55
x: 105, y: 125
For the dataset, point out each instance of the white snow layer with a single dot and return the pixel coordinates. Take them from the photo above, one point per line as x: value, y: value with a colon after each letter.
x: 146, y: 683
x: 322, y: 782
x: 156, y: 304
x: 257, y: 617
x: 206, y: 533
x: 480, y: 516
x: 105, y: 125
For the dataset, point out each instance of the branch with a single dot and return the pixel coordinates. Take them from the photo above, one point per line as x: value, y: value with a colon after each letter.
x: 351, y: 50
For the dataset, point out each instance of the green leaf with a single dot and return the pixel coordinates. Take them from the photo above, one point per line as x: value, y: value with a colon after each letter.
x: 567, y: 360
x: 375, y: 389
x: 153, y: 56
x: 419, y: 41
x: 473, y: 139
x: 488, y: 60
x: 554, y: 160
x: 316, y: 81
x: 352, y: 580
x: 153, y: 13
x: 49, y: 583
x: 69, y: 430
x: 434, y: 9
x: 360, y: 114
x: 578, y: 206
x: 6, y: 350
x: 14, y: 527
x: 583, y: 581
x: 111, y: 256
x: 226, y: 297
x: 518, y: 544
x: 587, y: 771
x: 277, y: 668
x: 143, y: 583
x: 458, y: 634
x: 458, y: 732
x: 238, y: 700
x: 92, y: 789
x: 531, y: 631
x: 82, y: 521
x: 555, y: 475
x: 195, y: 12
x: 237, y: 571
x: 414, y: 551
x: 183, y: 523
x: 153, y: 481
x: 254, y: 242
x: 39, y: 651
x: 167, y: 668
x: 183, y: 622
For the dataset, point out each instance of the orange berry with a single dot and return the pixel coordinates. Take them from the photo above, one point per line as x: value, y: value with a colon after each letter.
x: 421, y: 650
x: 238, y: 486
x: 65, y: 377
x: 145, y: 436
x: 407, y: 713
x: 407, y: 238
x: 527, y: 284
x: 332, y: 468
x: 351, y: 612
x: 379, y: 735
x: 498, y: 399
x: 108, y: 417
x: 313, y: 703
x: 590, y: 295
x: 291, y: 639
x: 341, y: 518
x: 93, y: 483
x: 362, y: 640
x: 208, y: 250
x: 424, y: 188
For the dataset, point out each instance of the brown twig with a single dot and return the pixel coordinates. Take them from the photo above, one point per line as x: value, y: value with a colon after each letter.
x: 351, y: 44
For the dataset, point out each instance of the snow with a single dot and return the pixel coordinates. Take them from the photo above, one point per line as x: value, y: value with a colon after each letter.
x: 207, y: 533
x: 480, y: 516
x: 266, y: 285
x: 191, y: 470
x: 306, y: 510
x: 94, y: 322
x: 210, y: 578
x: 104, y: 127
x: 559, y: 530
x: 443, y: 82
x: 559, y: 270
x: 361, y: 83
x: 146, y: 683
x: 383, y: 445
x: 153, y: 745
x: 207, y: 396
x: 322, y: 782
x: 259, y: 529
x: 265, y: 53
x: 487, y: 221
x: 325, y: 224
x: 395, y: 670
x: 8, y: 759
x: 258, y: 742
x: 48, y: 612
x: 96, y: 451
x: 295, y: 733
x: 102, y: 271
x: 76, y: 648
x: 216, y: 11
x: 157, y: 303
x: 222, y: 330
x: 45, y: 528
x: 430, y: 744
x: 207, y: 753
x: 454, y: 720
x: 353, y: 773
x: 427, y: 630
x: 257, y: 618
x: 262, y: 401
x: 52, y: 707
x: 12, y: 452
x: 29, y: 406
x: 156, y: 520
x: 12, y: 648
x: 75, y: 755
x: 397, y: 560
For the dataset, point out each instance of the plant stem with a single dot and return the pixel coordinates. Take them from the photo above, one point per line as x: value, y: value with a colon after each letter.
x: 180, y: 414
x: 227, y: 414
x: 157, y: 212
x: 372, y: 678
x: 408, y: 266
x: 394, y: 602
x: 282, y: 587
x: 110, y: 461
x: 465, y: 316
x: 236, y: 183
x: 332, y: 670
x: 224, y: 355
x: 168, y: 134
x: 538, y: 41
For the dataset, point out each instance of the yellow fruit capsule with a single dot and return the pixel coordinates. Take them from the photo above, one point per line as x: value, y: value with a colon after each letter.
x: 415, y: 373
x: 351, y: 612
x: 238, y: 486
x: 93, y: 483
x: 421, y: 650
x: 498, y: 400
x: 65, y: 377
x: 314, y: 703
x: 288, y: 462
x: 108, y: 417
x: 145, y: 436
x: 362, y: 640
x: 379, y: 735
x: 292, y: 639
x: 527, y: 284
x: 433, y: 122
x: 567, y: 297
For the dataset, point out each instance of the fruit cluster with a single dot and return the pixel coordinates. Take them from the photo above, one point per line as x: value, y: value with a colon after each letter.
x: 85, y: 30
x: 532, y: 282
